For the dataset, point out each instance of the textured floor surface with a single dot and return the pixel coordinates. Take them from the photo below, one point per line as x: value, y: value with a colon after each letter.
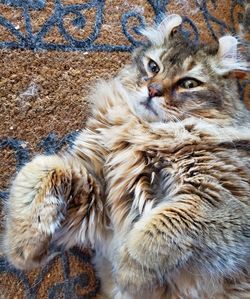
x: 51, y: 52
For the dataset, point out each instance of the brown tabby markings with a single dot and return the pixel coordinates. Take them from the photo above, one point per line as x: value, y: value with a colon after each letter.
x: 158, y: 185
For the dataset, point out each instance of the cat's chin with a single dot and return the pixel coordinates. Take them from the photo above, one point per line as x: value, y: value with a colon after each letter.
x: 147, y: 104
x: 147, y: 114
x: 150, y: 112
x: 145, y: 109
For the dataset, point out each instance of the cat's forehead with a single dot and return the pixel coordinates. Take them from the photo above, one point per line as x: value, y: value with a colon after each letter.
x: 171, y: 54
x: 177, y: 57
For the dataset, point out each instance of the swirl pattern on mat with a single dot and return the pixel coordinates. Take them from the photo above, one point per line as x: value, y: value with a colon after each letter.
x: 36, y: 41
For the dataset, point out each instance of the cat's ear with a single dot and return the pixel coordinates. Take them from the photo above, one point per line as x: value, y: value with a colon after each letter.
x: 230, y: 60
x: 169, y: 25
x: 228, y: 48
x: 158, y: 34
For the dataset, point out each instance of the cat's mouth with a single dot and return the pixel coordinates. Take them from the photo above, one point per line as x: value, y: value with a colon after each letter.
x: 148, y: 105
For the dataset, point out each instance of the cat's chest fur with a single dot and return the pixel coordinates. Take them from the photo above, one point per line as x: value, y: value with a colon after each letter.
x: 148, y: 165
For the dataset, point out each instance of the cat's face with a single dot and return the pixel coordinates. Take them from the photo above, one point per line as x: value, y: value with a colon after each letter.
x: 176, y: 79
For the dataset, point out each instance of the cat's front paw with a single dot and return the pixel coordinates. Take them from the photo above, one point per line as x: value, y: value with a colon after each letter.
x: 26, y: 241
x: 28, y: 252
x: 35, y: 210
x: 146, y: 245
x: 131, y: 277
x: 155, y: 245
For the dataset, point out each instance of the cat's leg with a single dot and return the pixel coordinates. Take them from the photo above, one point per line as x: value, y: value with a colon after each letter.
x: 164, y: 238
x: 160, y: 243
x: 184, y: 233
x: 152, y: 247
x: 49, y: 195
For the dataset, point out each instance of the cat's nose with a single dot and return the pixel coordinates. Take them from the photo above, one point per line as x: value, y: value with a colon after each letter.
x: 155, y: 90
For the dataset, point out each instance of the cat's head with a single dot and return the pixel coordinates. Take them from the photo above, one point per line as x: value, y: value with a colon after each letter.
x: 176, y: 78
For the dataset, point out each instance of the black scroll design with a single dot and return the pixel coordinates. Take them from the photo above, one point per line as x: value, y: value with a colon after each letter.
x: 68, y: 288
x: 209, y: 18
x: 36, y: 41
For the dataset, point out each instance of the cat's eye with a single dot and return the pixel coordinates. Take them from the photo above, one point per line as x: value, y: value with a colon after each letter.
x: 153, y: 67
x: 188, y: 83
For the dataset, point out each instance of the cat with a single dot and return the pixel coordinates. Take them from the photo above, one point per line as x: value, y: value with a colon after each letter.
x: 158, y: 183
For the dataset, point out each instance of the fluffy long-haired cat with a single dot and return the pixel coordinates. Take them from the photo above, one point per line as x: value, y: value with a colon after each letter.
x: 159, y: 181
